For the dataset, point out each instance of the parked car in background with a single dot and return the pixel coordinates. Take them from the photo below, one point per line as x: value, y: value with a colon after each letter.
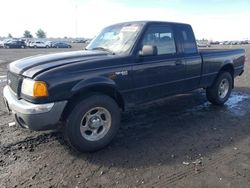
x: 79, y: 41
x: 234, y: 42
x: 1, y: 43
x: 38, y: 44
x: 49, y: 43
x: 203, y: 44
x: 215, y: 43
x: 88, y: 41
x: 244, y: 42
x: 14, y: 44
x: 61, y: 45
x: 27, y: 42
x: 5, y: 41
x: 225, y: 42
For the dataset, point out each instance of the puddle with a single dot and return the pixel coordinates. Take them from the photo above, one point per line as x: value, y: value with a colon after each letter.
x: 235, y: 99
x: 233, y: 105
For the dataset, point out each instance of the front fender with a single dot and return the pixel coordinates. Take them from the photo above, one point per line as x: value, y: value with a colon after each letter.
x: 96, y: 81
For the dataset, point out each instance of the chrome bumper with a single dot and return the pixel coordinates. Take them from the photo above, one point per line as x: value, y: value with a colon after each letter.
x: 23, y: 106
x: 33, y: 116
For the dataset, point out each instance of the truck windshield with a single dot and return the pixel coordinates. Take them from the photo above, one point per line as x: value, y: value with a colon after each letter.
x: 117, y: 39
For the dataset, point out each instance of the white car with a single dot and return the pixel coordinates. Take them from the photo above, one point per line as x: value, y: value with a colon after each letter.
x: 4, y: 42
x: 38, y: 44
x: 203, y: 44
x: 1, y: 44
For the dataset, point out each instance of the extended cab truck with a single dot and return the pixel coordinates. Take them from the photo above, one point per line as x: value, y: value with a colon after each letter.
x: 126, y: 64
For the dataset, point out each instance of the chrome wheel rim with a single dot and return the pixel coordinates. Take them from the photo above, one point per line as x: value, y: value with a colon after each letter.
x: 223, y: 88
x: 95, y: 124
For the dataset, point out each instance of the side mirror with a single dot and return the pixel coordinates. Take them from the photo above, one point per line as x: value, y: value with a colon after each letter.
x: 148, y: 50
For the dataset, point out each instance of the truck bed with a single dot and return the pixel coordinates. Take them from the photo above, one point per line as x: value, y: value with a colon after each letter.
x: 220, y: 50
x: 214, y: 59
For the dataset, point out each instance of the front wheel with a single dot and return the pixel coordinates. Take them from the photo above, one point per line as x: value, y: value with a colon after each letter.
x: 220, y: 91
x: 92, y: 123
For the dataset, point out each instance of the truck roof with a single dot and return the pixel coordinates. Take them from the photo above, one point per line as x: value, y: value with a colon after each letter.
x: 150, y: 22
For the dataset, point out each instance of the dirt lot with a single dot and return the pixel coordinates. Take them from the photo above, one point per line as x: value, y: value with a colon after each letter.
x: 181, y: 141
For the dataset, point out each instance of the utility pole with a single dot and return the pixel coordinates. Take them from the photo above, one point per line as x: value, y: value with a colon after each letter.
x: 76, y: 21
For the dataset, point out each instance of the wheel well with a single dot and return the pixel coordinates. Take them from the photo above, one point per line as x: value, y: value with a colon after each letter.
x: 228, y: 68
x: 106, y: 90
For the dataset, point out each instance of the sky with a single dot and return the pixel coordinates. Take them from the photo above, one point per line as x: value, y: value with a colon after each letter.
x: 211, y: 19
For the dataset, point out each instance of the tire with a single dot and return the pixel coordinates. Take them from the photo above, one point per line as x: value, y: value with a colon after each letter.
x: 35, y: 46
x: 216, y: 94
x: 84, y: 122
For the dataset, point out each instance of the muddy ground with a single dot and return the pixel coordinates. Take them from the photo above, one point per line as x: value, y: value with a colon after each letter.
x: 180, y: 141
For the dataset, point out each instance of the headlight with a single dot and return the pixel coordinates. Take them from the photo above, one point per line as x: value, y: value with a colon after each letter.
x: 34, y: 88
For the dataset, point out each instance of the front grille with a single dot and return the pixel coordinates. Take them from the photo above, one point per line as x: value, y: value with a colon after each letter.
x: 14, y: 81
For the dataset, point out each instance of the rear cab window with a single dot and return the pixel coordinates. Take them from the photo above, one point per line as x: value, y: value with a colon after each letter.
x: 187, y: 39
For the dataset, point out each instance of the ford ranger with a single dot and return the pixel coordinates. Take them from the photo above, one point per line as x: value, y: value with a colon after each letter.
x: 125, y: 65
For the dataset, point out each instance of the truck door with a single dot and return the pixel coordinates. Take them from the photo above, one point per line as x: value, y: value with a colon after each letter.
x: 162, y: 74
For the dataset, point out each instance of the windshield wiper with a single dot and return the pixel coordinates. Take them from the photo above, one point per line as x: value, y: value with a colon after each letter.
x: 104, y: 49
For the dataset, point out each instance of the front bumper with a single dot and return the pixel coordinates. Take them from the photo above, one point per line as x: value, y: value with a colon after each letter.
x: 33, y: 116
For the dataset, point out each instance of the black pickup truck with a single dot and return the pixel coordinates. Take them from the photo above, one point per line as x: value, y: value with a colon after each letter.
x: 125, y: 65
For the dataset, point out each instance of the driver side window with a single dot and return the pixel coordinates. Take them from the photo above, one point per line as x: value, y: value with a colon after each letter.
x: 161, y: 37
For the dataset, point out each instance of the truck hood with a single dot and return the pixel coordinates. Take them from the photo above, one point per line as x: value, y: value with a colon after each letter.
x: 33, y: 65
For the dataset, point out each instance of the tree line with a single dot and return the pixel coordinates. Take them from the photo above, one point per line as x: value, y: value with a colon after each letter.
x: 27, y: 34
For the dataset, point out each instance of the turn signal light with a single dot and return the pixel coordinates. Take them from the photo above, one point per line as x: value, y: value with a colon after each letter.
x: 40, y: 89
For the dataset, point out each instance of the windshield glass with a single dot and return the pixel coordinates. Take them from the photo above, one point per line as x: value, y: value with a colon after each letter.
x: 118, y: 39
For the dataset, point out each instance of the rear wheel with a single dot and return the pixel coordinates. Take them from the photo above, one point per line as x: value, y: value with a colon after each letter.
x: 92, y: 123
x: 220, y: 91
